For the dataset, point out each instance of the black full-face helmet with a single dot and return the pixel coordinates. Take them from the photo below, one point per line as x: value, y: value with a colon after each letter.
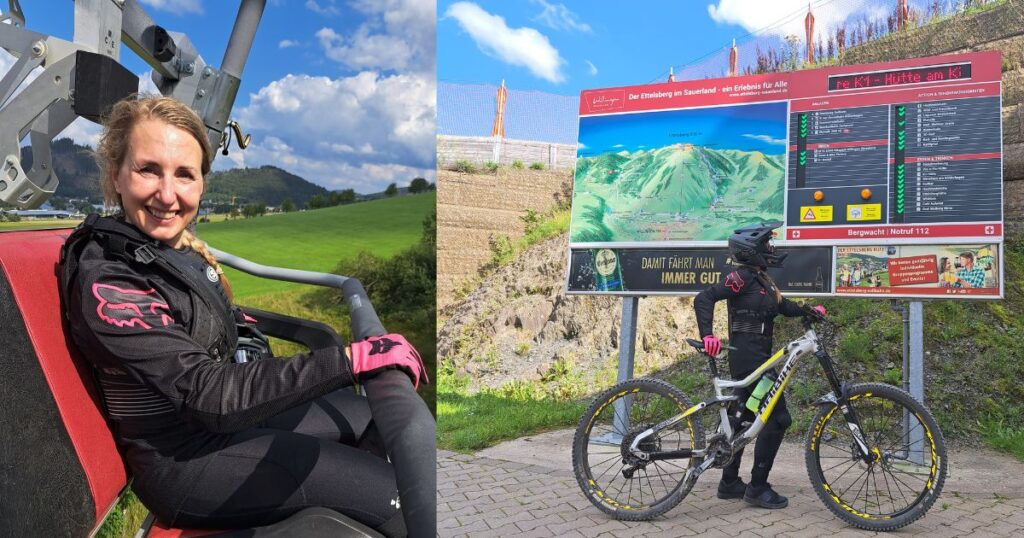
x: 752, y: 245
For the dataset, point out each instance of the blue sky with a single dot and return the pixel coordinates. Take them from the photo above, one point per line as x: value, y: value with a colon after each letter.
x: 563, y: 47
x: 340, y: 92
x: 759, y: 127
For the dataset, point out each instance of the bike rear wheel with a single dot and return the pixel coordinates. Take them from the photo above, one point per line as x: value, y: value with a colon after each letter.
x: 613, y: 478
x: 908, y: 466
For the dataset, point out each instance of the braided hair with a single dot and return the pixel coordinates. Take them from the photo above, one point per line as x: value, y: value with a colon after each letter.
x: 199, y: 246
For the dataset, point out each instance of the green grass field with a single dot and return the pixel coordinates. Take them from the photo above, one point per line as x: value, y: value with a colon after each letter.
x: 35, y: 224
x: 317, y: 240
x: 310, y: 240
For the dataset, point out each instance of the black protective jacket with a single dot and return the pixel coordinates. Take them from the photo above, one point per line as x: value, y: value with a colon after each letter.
x: 171, y: 395
x: 753, y: 305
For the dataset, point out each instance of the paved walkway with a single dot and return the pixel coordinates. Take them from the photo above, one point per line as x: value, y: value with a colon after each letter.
x: 525, y: 488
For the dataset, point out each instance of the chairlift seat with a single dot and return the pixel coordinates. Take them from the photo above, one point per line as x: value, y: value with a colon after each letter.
x: 60, y: 471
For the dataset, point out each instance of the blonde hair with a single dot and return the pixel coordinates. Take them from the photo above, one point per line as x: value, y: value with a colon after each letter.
x: 113, y: 147
x: 764, y: 274
x: 778, y: 294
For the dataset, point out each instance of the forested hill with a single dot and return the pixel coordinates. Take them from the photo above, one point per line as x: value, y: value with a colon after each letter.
x: 267, y: 184
x: 76, y: 168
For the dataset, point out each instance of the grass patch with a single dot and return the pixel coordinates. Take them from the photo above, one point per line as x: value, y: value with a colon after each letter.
x: 124, y: 519
x: 1003, y: 438
x: 39, y: 224
x: 465, y: 167
x: 538, y: 228
x: 469, y: 422
x: 317, y: 240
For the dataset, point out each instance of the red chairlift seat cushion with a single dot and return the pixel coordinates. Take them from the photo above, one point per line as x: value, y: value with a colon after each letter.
x: 60, y: 470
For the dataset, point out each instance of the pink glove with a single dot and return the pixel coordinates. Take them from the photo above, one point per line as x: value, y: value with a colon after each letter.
x: 378, y: 352
x: 819, y: 309
x: 712, y: 345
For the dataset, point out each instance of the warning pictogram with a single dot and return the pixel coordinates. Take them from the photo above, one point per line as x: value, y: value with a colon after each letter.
x: 816, y: 213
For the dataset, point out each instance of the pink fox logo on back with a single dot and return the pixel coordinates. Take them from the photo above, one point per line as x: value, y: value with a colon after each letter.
x: 128, y: 308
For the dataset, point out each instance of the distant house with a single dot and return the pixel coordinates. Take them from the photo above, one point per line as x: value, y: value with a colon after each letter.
x: 42, y: 214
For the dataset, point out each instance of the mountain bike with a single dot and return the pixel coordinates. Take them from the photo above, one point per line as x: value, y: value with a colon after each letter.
x: 874, y: 454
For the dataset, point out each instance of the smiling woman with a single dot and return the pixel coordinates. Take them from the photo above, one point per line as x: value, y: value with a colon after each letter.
x: 158, y: 182
x: 153, y: 157
x: 215, y: 432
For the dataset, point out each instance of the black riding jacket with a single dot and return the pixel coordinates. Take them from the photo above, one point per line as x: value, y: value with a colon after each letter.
x: 753, y: 306
x: 170, y: 395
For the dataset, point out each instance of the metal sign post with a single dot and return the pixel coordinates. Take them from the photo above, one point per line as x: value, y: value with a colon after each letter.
x: 627, y: 353
x: 913, y: 371
x: 915, y: 375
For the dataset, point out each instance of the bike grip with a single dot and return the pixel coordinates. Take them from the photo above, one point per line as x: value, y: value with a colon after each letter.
x: 700, y: 345
x: 365, y: 322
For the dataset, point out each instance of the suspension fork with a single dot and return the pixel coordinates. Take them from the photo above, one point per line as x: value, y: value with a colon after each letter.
x: 844, y: 405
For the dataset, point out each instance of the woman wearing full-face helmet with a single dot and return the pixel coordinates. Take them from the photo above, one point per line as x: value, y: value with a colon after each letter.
x: 753, y: 300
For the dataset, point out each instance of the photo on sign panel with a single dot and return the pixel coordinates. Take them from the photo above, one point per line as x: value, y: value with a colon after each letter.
x: 919, y: 270
x: 679, y: 175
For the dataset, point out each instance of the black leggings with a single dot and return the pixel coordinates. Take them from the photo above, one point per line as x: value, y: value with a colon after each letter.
x: 324, y: 453
x: 768, y: 441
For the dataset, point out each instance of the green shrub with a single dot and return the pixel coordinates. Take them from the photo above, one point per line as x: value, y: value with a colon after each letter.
x: 465, y: 167
x: 491, y: 166
x: 536, y: 166
x: 517, y: 164
x: 531, y: 220
x: 502, y: 250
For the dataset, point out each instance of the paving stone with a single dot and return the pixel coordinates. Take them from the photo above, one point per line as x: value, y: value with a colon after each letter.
x: 492, y: 497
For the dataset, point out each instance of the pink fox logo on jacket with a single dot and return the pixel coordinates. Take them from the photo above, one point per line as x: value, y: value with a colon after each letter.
x: 734, y: 282
x: 129, y: 308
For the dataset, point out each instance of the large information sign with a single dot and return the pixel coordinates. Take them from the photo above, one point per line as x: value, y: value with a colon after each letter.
x: 900, y: 154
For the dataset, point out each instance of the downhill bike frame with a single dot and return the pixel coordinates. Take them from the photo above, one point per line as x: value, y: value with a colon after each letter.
x: 792, y: 353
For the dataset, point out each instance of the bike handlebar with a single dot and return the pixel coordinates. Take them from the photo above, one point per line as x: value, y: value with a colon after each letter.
x: 813, y: 316
x: 699, y: 346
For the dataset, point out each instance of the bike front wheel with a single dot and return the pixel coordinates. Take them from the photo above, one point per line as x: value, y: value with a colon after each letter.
x: 902, y: 476
x: 611, y: 476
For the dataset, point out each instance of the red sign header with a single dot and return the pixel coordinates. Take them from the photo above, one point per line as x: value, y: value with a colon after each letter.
x: 977, y: 67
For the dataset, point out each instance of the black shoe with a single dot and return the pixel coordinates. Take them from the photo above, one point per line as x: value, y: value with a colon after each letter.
x: 765, y: 497
x: 731, y: 489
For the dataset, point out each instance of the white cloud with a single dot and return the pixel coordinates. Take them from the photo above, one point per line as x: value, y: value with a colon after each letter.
x: 559, y: 17
x: 6, y: 62
x: 175, y: 6
x: 83, y: 132
x: 767, y: 139
x: 396, y: 35
x: 287, y: 43
x: 365, y: 149
x: 329, y: 9
x: 361, y: 132
x: 362, y: 177
x: 366, y: 50
x: 591, y: 68
x: 146, y: 84
x: 520, y: 46
x: 787, y: 16
x: 618, y: 146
